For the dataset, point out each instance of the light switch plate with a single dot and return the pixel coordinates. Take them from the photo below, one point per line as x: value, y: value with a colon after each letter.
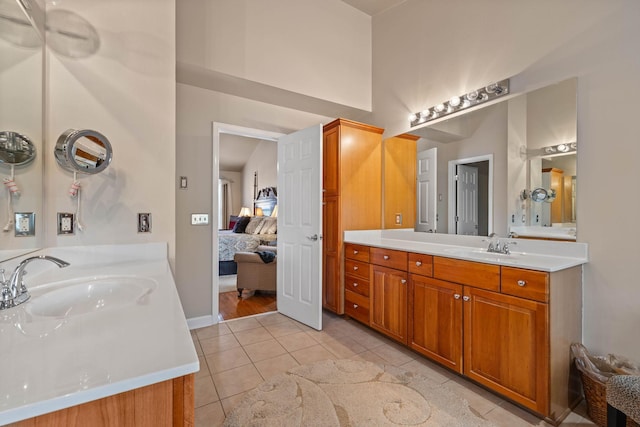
x: 25, y: 224
x: 66, y: 223
x: 199, y: 219
x: 144, y: 223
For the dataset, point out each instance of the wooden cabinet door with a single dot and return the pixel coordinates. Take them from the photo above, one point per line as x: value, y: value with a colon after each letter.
x: 331, y: 256
x: 506, y: 346
x: 331, y: 161
x: 388, y: 302
x: 435, y: 320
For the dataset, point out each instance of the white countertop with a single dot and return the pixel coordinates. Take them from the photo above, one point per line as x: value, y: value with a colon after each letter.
x: 539, y: 255
x: 54, y: 363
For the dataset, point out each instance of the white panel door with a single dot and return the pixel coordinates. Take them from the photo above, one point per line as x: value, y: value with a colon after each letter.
x: 426, y: 191
x: 467, y: 200
x: 300, y: 225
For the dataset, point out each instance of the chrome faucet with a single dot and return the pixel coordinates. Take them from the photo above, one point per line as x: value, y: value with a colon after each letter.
x: 499, y: 247
x: 14, y: 292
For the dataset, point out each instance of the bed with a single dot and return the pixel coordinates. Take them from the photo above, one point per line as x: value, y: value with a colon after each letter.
x: 232, y: 241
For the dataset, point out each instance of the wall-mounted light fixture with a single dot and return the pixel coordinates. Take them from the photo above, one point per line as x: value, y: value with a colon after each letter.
x: 554, y: 150
x: 462, y: 102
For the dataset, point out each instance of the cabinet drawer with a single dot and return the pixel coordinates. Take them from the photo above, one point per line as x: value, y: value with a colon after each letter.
x: 421, y: 264
x: 356, y: 284
x: 356, y: 306
x: 476, y: 274
x: 388, y: 258
x: 525, y: 283
x: 356, y: 252
x: 356, y: 268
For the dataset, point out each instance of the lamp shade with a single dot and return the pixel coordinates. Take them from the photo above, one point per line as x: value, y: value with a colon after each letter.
x: 274, y: 214
x: 259, y: 212
x: 245, y: 211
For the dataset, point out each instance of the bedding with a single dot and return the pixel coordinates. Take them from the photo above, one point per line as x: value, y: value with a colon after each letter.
x: 230, y: 243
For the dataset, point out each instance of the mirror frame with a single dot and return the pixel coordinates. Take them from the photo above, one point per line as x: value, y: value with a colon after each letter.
x: 65, y: 150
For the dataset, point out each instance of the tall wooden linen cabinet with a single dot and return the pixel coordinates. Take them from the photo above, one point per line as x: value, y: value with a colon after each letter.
x: 351, y: 196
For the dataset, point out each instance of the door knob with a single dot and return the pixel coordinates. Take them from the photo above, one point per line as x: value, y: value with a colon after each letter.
x: 313, y: 238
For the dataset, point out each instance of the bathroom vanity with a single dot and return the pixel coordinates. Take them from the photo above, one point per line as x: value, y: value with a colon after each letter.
x: 505, y: 321
x: 103, y: 341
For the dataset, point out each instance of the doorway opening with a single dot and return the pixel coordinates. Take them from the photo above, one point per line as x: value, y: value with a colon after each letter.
x: 236, y: 186
x: 471, y: 196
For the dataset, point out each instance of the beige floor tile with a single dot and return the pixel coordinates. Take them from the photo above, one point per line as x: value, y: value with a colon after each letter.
x: 210, y: 415
x: 272, y: 319
x: 368, y: 339
x: 212, y: 331
x: 343, y: 347
x: 243, y: 324
x: 296, y: 341
x: 229, y: 403
x: 509, y: 415
x: 369, y: 356
x: 312, y: 354
x: 219, y: 343
x: 283, y: 328
x: 205, y: 391
x: 277, y: 365
x: 237, y: 380
x: 204, y: 368
x: 264, y: 350
x: 252, y: 336
x: 228, y: 359
x: 196, y: 344
x: 393, y: 355
x: 430, y: 370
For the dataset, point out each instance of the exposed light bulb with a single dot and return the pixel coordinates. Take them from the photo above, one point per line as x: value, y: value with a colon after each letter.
x: 483, y: 97
x: 455, y: 101
x: 439, y: 108
x: 472, y: 96
x: 425, y: 113
x: 563, y: 148
x: 412, y: 117
x: 549, y: 150
x: 466, y: 104
x: 491, y: 88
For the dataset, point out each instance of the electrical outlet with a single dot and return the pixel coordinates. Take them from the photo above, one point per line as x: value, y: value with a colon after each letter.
x: 25, y: 224
x: 398, y: 219
x: 199, y: 219
x: 66, y: 223
x: 144, y: 223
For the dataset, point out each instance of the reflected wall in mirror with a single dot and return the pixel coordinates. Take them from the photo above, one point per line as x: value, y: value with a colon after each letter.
x: 511, y: 132
x: 21, y: 112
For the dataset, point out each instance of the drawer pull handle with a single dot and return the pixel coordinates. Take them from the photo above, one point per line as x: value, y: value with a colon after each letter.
x: 521, y: 283
x: 355, y: 305
x: 466, y: 298
x: 355, y: 252
x: 355, y: 268
x: 386, y: 257
x: 355, y: 285
x: 418, y: 263
x: 456, y: 296
x: 403, y: 281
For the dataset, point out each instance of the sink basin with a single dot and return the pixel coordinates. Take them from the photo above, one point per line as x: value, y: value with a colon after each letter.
x: 82, y: 296
x: 483, y: 254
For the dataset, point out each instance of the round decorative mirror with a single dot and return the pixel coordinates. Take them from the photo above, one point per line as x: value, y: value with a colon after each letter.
x: 16, y: 149
x: 85, y: 151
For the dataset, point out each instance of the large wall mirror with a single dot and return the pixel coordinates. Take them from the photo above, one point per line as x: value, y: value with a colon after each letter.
x: 489, y: 161
x: 21, y: 113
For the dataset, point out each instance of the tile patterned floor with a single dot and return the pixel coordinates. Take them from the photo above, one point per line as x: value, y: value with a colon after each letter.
x: 237, y: 355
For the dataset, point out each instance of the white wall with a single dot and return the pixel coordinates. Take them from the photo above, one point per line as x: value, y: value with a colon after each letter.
x: 539, y: 43
x: 126, y: 90
x: 320, y: 49
x: 263, y: 160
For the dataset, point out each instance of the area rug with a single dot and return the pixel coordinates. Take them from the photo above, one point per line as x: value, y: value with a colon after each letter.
x: 352, y: 393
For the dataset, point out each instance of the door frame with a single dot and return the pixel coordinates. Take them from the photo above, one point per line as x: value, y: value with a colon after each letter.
x: 218, y: 129
x: 451, y: 225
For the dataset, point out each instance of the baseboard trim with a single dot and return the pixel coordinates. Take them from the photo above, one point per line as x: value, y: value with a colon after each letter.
x: 200, y: 322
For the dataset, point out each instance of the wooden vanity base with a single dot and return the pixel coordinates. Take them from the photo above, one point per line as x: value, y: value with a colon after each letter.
x: 168, y: 403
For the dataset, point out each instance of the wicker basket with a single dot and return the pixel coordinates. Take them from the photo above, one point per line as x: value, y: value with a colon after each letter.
x: 595, y: 392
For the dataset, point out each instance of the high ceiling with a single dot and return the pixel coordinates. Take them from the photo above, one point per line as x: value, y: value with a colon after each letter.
x: 373, y: 7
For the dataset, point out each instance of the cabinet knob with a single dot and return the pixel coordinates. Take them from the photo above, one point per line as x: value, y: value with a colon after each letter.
x: 466, y: 298
x: 355, y: 268
x: 386, y: 257
x: 521, y: 283
x: 456, y: 296
x: 355, y: 252
x: 355, y: 285
x: 355, y: 305
x: 418, y: 263
x: 403, y: 281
